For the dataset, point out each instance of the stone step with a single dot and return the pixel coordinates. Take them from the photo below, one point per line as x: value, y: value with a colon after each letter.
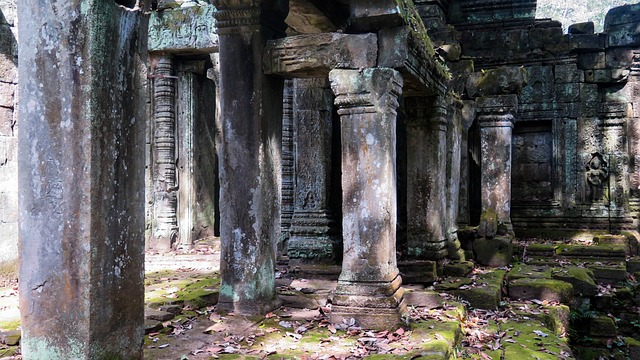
x: 541, y: 289
x: 481, y: 290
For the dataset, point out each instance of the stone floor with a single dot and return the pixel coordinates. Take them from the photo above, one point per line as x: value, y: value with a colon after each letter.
x: 553, y: 294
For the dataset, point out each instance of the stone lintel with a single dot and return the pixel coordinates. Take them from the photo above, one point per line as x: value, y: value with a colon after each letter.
x: 504, y: 80
x: 183, y: 30
x: 314, y: 55
x: 401, y: 50
x: 305, y: 18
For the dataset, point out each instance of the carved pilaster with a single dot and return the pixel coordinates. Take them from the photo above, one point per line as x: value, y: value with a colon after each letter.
x: 495, y: 116
x: 454, y: 142
x: 165, y: 205
x: 287, y: 166
x: 369, y: 285
x: 237, y: 16
x: 313, y: 246
x: 613, y: 115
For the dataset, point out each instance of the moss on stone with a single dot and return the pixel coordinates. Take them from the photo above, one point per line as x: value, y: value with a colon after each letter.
x: 10, y: 324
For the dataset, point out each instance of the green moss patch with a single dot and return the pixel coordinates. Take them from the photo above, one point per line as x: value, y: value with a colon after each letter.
x: 196, y: 291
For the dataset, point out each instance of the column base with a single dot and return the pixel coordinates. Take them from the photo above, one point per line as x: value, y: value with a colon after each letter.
x: 248, y: 307
x: 375, y: 305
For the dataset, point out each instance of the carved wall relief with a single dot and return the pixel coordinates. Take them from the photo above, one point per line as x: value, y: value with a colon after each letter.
x: 596, y: 176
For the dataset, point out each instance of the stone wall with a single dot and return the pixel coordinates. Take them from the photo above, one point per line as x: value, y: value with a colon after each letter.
x: 8, y: 137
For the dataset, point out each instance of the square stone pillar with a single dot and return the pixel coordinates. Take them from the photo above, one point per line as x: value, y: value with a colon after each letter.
x: 495, y: 116
x: 314, y: 247
x: 616, y: 183
x: 426, y: 188
x: 369, y: 286
x: 82, y: 165
x: 249, y: 153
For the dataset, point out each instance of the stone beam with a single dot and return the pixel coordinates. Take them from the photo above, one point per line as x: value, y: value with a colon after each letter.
x: 371, y: 15
x: 249, y: 155
x: 369, y: 286
x: 313, y: 56
x: 402, y: 50
x: 81, y: 153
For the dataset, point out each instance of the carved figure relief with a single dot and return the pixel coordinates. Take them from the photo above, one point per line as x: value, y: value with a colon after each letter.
x: 596, y: 176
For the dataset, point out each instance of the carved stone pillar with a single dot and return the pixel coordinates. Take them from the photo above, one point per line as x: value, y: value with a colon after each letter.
x: 286, y: 202
x: 313, y: 246
x: 495, y: 116
x: 81, y: 173
x: 251, y: 118
x: 426, y: 189
x: 614, y: 116
x: 165, y: 195
x: 369, y: 285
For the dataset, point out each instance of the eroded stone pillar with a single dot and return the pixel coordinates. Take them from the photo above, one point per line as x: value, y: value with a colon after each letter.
x: 81, y: 152
x: 616, y: 182
x: 251, y: 118
x: 426, y: 189
x: 313, y: 245
x: 369, y: 285
x: 165, y: 189
x: 286, y: 199
x: 495, y: 116
x: 454, y: 154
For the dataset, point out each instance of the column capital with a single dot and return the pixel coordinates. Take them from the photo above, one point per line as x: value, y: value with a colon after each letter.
x: 237, y: 15
x: 497, y: 111
x: 423, y: 111
x: 371, y: 90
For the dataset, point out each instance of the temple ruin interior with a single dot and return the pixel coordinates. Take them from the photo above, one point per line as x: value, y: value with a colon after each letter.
x: 436, y: 179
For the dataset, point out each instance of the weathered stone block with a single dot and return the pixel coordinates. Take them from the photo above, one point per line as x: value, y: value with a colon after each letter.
x: 581, y: 43
x: 452, y: 52
x: 567, y: 92
x: 7, y: 91
x: 580, y: 278
x: 568, y: 73
x: 494, y: 252
x: 619, y: 58
x: 158, y: 315
x: 458, y: 268
x: 10, y: 338
x: 8, y: 68
x: 608, y: 239
x: 584, y: 28
x: 488, y: 227
x: 418, y: 271
x: 592, y: 60
x: 504, y: 80
x: 621, y: 24
x: 522, y: 271
x: 602, y: 326
x: 184, y: 29
x: 316, y: 54
x: 542, y: 37
x: 423, y: 298
x: 368, y: 15
x: 6, y: 122
x: 541, y: 289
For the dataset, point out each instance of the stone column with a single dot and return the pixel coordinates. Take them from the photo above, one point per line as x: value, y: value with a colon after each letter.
x: 313, y: 246
x: 426, y: 188
x: 369, y: 286
x: 165, y: 194
x: 454, y: 145
x: 495, y: 117
x: 251, y: 117
x: 81, y: 153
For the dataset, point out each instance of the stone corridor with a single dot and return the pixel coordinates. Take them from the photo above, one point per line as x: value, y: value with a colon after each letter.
x: 447, y: 175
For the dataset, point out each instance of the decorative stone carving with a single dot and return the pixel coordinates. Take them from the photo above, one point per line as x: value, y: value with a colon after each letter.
x: 369, y: 286
x: 190, y: 29
x: 313, y: 246
x: 165, y: 197
x: 288, y: 166
x: 596, y: 176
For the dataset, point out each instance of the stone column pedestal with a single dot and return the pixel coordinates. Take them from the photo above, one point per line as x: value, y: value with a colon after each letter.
x: 369, y: 285
x: 313, y: 245
x: 251, y: 121
x: 495, y: 116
